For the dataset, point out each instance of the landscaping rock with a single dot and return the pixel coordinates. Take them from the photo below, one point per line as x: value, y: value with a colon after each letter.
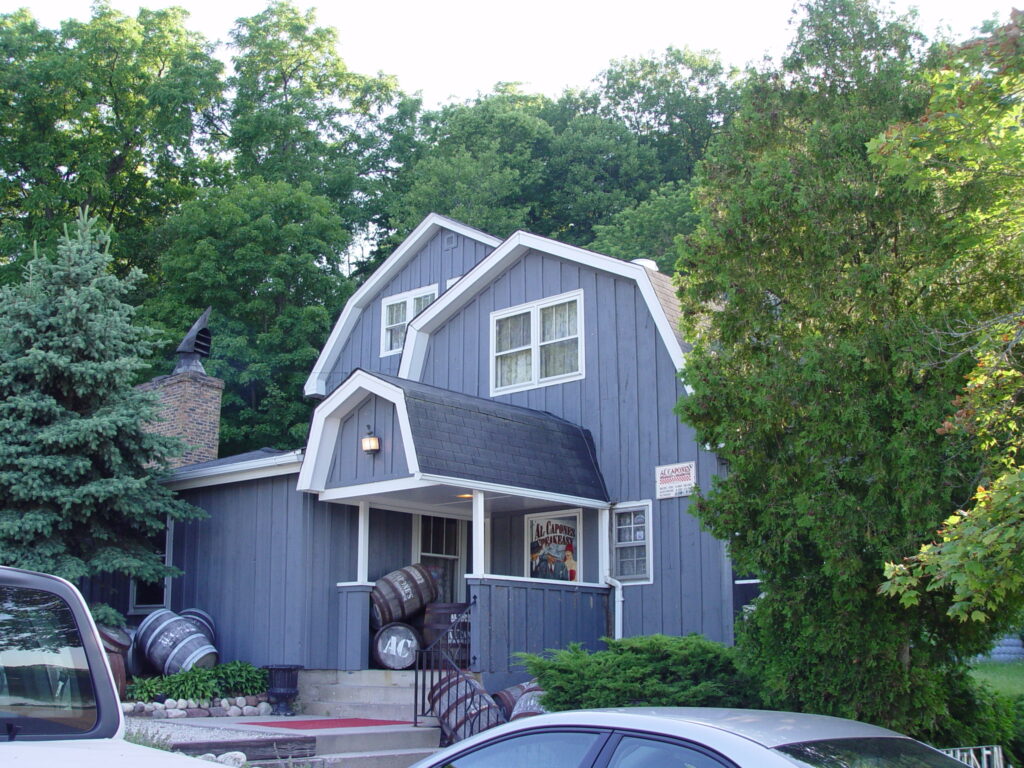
x: 176, y: 713
x: 250, y: 711
x: 263, y: 697
x: 240, y: 701
x: 191, y: 704
x: 208, y: 757
x: 157, y: 706
x: 140, y: 708
x: 236, y: 759
x: 159, y: 713
x: 234, y: 711
x: 251, y: 701
x: 218, y: 711
x: 264, y: 708
x: 180, y: 704
x: 197, y: 712
x: 127, y: 708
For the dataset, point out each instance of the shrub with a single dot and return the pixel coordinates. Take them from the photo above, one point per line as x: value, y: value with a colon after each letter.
x: 197, y: 683
x: 145, y: 688
x: 240, y: 678
x: 105, y: 616
x: 654, y: 670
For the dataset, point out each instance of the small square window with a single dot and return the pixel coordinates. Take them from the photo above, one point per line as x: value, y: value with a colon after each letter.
x: 396, y: 313
x: 631, y: 543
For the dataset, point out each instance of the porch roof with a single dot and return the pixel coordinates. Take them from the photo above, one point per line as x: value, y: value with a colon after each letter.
x: 458, y: 435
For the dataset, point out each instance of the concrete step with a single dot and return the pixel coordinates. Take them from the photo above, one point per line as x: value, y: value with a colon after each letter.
x: 349, y: 693
x: 371, y: 710
x: 378, y: 738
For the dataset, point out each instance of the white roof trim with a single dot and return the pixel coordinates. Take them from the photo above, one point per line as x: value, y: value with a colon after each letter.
x: 219, y: 474
x: 513, y: 490
x: 326, y: 425
x: 450, y: 302
x: 316, y: 384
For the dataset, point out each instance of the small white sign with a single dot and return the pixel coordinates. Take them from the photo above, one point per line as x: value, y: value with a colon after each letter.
x: 676, y: 479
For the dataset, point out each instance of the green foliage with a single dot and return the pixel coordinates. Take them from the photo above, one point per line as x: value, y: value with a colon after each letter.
x: 240, y: 678
x: 654, y: 670
x: 810, y: 289
x: 1005, y: 677
x: 967, y: 150
x: 107, y: 113
x: 196, y: 683
x: 80, y: 490
x: 267, y: 257
x: 105, y: 616
x: 145, y: 688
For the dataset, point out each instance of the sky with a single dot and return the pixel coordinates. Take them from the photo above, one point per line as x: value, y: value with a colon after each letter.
x: 455, y: 49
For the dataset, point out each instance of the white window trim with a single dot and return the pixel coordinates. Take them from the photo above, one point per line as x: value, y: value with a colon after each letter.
x: 462, y: 546
x: 407, y: 298
x: 134, y: 608
x: 630, y: 506
x: 534, y: 308
x: 530, y: 519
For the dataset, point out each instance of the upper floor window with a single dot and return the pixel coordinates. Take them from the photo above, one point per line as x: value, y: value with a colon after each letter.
x: 396, y: 312
x: 537, y: 344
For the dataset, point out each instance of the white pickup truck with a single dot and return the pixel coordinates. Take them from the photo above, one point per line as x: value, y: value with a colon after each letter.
x: 58, y: 705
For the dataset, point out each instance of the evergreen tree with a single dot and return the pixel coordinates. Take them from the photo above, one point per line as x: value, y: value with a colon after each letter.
x: 80, y: 490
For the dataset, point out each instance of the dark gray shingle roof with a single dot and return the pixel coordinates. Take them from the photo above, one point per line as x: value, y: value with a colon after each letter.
x: 457, y: 435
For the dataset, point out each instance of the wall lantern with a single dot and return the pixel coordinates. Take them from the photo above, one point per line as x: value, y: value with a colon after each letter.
x: 370, y: 443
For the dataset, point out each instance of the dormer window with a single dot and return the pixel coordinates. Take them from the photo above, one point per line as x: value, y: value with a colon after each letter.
x: 537, y: 344
x: 396, y: 312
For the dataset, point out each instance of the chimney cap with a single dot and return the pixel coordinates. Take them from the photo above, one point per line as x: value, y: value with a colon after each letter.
x: 195, y: 345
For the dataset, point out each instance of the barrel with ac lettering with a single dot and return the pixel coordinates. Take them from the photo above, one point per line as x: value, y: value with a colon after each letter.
x: 400, y: 594
x: 173, y: 644
x: 395, y: 646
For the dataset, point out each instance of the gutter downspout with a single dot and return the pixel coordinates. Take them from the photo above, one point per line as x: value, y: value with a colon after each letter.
x: 619, y: 600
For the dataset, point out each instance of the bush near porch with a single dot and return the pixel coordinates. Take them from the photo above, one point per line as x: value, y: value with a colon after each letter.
x: 653, y: 670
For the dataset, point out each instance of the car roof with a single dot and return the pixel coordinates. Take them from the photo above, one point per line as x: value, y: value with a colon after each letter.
x: 767, y: 728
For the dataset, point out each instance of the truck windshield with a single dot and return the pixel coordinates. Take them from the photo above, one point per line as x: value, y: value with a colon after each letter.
x: 867, y: 753
x: 45, y: 687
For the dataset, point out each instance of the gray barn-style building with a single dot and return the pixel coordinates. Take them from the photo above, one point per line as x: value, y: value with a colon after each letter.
x: 522, y: 395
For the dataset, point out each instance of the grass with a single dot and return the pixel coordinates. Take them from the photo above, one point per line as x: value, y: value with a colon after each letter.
x: 1005, y: 677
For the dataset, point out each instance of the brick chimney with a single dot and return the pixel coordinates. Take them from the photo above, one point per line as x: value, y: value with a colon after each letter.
x: 190, y: 399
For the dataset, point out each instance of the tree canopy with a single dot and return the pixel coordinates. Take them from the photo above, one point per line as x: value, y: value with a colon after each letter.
x: 79, y: 471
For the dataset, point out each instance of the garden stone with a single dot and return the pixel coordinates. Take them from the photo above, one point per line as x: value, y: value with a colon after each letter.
x: 251, y: 701
x: 159, y: 713
x: 128, y: 708
x: 250, y: 711
x: 157, y: 706
x: 197, y: 712
x: 236, y: 759
x: 175, y: 713
x: 191, y: 704
x: 208, y: 757
x: 140, y: 707
x: 240, y: 701
x: 225, y: 703
x: 263, y: 697
x: 204, y: 704
x: 264, y: 708
x: 218, y: 711
x: 182, y: 704
x: 234, y: 711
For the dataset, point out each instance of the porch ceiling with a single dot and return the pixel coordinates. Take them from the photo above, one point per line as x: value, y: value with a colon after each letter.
x: 444, y: 501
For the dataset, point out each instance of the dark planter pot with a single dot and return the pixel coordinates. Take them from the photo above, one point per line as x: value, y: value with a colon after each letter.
x: 283, y: 687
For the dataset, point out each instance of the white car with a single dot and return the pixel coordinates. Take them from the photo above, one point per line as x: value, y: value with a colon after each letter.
x: 58, y: 704
x: 682, y: 737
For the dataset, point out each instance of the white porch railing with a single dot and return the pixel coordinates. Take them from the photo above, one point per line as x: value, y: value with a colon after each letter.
x: 978, y: 757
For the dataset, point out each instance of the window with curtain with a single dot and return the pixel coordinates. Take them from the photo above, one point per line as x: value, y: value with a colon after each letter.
x: 397, y: 311
x: 537, y: 344
x: 631, y: 543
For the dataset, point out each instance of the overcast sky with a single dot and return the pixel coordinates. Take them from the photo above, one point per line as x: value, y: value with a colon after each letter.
x: 458, y: 48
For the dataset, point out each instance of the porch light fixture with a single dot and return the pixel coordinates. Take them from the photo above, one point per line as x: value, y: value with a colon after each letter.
x: 464, y: 496
x: 370, y: 443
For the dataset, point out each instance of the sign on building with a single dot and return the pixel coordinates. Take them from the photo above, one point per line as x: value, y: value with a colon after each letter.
x: 675, y: 479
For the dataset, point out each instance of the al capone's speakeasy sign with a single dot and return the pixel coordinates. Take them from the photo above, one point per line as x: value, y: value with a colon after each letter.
x: 552, y: 546
x: 674, y: 480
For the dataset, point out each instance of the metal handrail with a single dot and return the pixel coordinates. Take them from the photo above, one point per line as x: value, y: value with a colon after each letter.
x: 445, y: 659
x: 988, y: 756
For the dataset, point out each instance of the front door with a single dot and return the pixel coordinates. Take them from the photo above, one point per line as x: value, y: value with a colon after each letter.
x: 442, y: 548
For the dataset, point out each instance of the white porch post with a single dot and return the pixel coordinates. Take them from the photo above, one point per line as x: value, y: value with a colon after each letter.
x: 603, y: 543
x: 363, y: 543
x: 479, y: 539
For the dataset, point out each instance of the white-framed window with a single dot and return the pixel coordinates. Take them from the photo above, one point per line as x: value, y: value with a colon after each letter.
x: 440, y: 544
x: 631, y: 542
x: 537, y: 344
x: 553, y: 546
x: 397, y: 311
x: 145, y: 596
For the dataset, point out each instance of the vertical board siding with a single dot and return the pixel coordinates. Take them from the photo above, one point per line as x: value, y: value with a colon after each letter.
x: 390, y: 542
x: 510, y: 617
x: 349, y: 465
x: 626, y: 400
x: 264, y: 563
x: 433, y: 265
x: 353, y: 627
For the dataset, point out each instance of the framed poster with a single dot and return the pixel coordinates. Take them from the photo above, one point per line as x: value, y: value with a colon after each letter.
x: 552, y: 546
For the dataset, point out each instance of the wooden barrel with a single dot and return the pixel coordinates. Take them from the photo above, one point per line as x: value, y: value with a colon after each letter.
x: 507, y: 698
x: 463, y: 707
x: 401, y: 593
x: 395, y: 646
x: 437, y: 620
x: 203, y: 621
x: 528, y: 704
x: 173, y: 644
x: 116, y: 643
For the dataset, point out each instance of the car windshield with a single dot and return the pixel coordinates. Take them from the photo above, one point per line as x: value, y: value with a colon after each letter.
x: 867, y: 753
x: 45, y: 687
